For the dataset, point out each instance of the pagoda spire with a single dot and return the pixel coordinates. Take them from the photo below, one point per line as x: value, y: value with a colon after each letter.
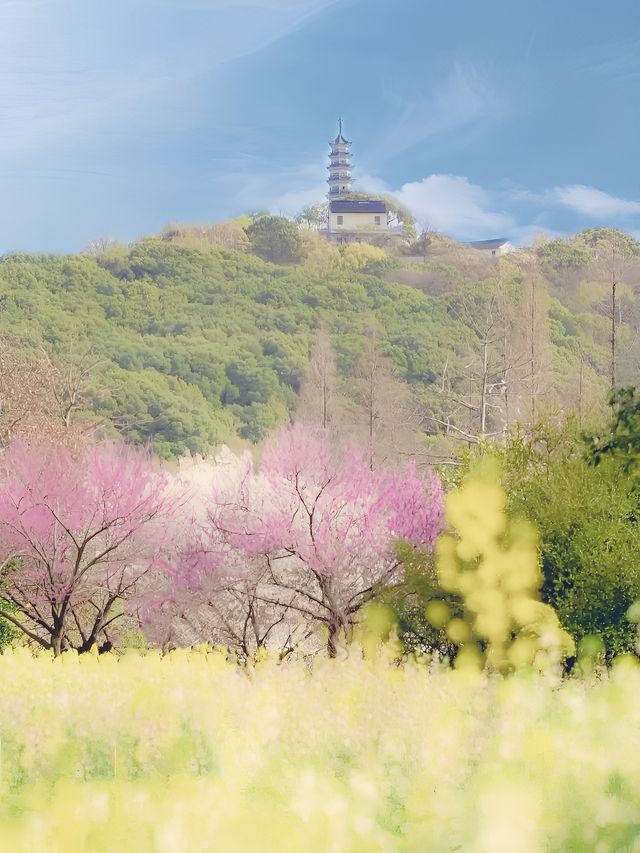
x: 340, y: 179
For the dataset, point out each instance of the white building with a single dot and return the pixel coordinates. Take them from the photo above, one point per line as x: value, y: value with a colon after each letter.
x: 353, y: 218
x: 499, y: 246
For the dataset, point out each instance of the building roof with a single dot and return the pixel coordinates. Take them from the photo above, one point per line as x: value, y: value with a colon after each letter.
x: 340, y: 140
x: 357, y: 206
x: 496, y: 243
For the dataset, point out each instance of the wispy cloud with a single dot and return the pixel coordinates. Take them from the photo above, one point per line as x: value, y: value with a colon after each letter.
x: 592, y: 202
x: 300, y: 7
x: 67, y: 72
x: 584, y: 200
x: 616, y: 61
x: 286, y: 193
x: 297, y: 6
x: 463, y: 98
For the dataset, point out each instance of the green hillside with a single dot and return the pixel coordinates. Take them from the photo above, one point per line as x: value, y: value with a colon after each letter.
x: 200, y: 344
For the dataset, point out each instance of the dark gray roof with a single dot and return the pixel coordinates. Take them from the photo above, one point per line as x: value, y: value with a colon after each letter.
x: 358, y: 206
x: 489, y: 244
x: 340, y: 140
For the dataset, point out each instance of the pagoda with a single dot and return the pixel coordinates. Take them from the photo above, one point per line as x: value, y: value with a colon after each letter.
x: 340, y: 180
x: 352, y: 218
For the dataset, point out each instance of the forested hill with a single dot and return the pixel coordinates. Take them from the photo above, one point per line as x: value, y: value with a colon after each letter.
x: 194, y: 346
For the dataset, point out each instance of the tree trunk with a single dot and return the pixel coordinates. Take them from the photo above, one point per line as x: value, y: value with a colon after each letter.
x: 337, y: 627
x: 613, y: 316
x: 56, y: 644
x: 532, y: 333
x: 613, y: 334
x: 483, y: 391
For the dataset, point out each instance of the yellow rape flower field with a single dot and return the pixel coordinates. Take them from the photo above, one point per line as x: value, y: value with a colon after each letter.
x: 189, y: 753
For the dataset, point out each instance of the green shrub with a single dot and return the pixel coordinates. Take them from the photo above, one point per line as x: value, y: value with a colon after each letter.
x: 587, y: 517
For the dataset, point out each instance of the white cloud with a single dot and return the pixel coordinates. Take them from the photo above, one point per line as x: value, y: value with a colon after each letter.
x: 448, y: 203
x: 590, y: 201
x: 453, y: 205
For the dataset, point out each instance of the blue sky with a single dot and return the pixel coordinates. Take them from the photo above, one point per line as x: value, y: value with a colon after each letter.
x: 486, y: 119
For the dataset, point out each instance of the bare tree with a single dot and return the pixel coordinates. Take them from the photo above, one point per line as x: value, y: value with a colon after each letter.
x: 613, y: 254
x: 476, y: 401
x: 425, y: 235
x: 318, y: 392
x: 99, y: 246
x: 385, y: 417
x: 244, y: 614
x: 225, y: 235
x: 40, y: 393
x: 69, y: 379
x: 528, y: 344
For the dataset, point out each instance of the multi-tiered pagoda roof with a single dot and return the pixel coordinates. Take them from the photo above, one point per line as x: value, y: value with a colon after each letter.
x: 340, y: 178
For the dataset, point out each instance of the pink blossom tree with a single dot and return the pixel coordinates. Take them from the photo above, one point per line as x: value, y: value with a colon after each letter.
x: 312, y: 534
x: 79, y: 531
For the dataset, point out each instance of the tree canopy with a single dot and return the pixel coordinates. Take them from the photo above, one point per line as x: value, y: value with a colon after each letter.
x: 197, y: 342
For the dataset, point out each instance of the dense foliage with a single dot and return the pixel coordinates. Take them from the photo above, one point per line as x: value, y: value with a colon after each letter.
x: 197, y: 346
x: 275, y: 238
x: 623, y: 439
x: 198, y: 341
x: 586, y: 518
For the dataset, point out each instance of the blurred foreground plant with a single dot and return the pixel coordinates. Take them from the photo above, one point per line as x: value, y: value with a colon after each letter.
x: 361, y: 755
x: 492, y: 565
x: 586, y: 517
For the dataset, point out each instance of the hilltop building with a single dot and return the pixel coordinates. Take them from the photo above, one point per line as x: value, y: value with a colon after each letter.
x: 340, y: 179
x: 499, y: 246
x: 352, y: 219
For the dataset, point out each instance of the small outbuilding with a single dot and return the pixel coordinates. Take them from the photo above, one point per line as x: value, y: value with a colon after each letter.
x: 496, y: 247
